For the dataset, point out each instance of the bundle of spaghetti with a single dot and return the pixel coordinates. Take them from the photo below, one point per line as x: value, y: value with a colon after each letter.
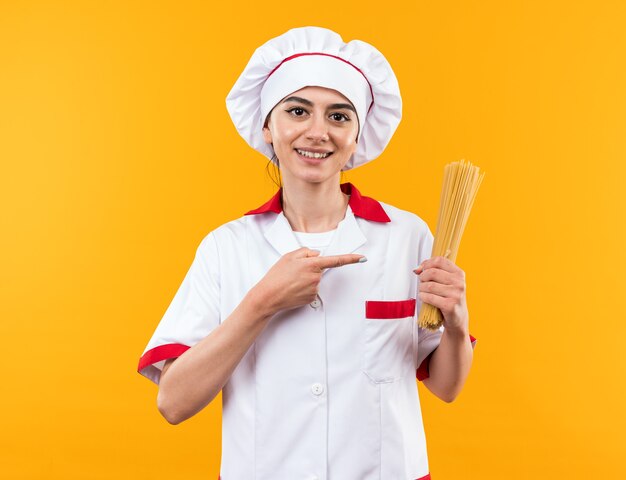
x: 460, y: 184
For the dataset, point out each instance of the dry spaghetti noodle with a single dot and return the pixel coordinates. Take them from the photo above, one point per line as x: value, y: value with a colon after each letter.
x: 460, y: 184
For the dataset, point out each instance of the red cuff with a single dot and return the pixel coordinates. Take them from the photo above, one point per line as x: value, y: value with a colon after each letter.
x: 162, y: 352
x: 422, y: 372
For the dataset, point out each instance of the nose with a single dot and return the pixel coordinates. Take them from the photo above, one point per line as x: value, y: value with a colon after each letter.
x: 318, y: 129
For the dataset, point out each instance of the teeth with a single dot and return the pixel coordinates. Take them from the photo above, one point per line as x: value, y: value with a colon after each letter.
x: 312, y: 154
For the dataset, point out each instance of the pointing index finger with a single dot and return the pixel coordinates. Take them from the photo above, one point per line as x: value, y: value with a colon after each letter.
x: 334, y: 261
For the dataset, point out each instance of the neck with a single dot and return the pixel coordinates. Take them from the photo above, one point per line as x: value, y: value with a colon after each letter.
x: 314, y: 207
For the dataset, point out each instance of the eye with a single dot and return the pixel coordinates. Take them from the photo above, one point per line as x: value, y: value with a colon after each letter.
x: 340, y: 117
x: 296, y: 111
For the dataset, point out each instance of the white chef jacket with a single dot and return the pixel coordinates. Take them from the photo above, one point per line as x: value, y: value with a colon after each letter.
x: 327, y: 391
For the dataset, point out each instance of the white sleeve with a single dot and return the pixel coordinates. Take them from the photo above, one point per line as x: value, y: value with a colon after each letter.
x: 192, y: 314
x: 427, y: 340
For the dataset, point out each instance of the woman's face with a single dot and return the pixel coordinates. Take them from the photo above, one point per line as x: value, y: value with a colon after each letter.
x: 313, y: 132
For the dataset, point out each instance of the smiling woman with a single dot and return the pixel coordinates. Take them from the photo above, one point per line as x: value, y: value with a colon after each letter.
x: 316, y: 355
x: 314, y: 134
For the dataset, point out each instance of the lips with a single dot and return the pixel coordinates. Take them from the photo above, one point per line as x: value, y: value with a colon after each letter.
x: 312, y: 154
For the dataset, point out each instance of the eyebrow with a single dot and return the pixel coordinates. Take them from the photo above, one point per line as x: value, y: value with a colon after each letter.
x: 334, y: 106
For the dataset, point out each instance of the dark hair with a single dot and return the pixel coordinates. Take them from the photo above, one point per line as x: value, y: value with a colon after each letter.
x: 276, y: 170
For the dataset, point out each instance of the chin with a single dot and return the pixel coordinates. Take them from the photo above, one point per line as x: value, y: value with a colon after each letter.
x: 313, y: 173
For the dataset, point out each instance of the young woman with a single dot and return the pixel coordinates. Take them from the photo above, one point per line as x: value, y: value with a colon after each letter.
x: 303, y: 311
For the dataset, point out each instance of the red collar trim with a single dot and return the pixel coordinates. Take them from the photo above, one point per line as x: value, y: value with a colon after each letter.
x: 364, y: 207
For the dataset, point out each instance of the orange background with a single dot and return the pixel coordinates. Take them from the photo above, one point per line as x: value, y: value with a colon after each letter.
x: 118, y: 157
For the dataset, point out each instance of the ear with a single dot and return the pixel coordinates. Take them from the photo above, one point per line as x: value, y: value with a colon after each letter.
x: 267, y: 135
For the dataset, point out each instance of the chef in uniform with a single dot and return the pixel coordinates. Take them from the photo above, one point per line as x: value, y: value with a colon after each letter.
x: 318, y: 379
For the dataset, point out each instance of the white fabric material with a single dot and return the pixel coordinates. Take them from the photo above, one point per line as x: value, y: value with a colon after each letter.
x: 322, y: 71
x: 315, y: 240
x: 323, y: 392
x: 243, y: 102
x: 195, y: 309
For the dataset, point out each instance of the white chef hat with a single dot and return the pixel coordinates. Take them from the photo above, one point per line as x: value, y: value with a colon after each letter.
x: 315, y: 56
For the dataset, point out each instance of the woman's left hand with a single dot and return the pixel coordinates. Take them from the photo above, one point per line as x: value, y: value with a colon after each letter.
x: 442, y: 285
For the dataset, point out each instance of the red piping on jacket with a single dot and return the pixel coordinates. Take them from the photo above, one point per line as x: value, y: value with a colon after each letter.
x: 385, y: 309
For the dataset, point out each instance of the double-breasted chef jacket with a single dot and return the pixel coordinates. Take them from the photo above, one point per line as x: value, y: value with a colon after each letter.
x: 328, y: 390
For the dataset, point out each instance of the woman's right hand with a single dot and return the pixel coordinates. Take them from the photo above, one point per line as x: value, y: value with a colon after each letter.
x: 294, y: 279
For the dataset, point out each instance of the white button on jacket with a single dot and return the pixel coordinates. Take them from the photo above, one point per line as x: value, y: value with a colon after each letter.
x: 325, y: 392
x: 317, y: 388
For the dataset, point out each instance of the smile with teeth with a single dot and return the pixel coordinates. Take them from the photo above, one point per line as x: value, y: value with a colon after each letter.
x: 304, y: 153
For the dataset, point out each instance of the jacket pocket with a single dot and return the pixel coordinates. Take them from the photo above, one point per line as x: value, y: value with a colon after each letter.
x: 388, y: 339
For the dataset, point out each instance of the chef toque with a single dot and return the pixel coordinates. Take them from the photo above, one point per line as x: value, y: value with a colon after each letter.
x: 315, y: 56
